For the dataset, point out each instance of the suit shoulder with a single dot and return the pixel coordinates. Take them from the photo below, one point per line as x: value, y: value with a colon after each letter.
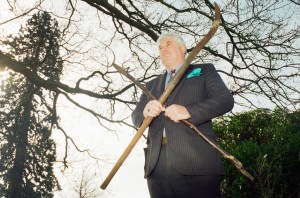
x: 205, y: 66
x: 156, y: 79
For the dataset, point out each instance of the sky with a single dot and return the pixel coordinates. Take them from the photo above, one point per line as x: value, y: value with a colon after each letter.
x: 128, y: 181
x: 86, y: 132
x: 84, y: 129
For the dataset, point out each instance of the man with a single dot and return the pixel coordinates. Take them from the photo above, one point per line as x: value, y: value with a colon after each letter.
x: 178, y: 163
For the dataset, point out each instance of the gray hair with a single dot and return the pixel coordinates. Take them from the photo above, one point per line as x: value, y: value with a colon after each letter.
x: 172, y: 35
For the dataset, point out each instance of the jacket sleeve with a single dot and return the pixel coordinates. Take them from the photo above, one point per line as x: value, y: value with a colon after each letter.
x: 218, y: 102
x: 137, y: 115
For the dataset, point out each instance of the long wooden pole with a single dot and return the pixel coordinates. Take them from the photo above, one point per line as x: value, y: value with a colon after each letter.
x: 165, y: 95
x: 224, y: 153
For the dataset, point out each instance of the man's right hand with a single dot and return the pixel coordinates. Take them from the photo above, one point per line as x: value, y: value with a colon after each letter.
x: 153, y: 108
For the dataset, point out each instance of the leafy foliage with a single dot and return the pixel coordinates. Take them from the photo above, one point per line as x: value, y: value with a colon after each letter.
x: 27, y: 152
x: 268, y: 144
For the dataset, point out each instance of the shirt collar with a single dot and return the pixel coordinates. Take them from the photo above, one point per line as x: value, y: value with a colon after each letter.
x: 176, y: 68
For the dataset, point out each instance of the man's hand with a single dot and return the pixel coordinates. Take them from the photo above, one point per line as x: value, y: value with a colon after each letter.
x: 153, y: 109
x: 177, y: 112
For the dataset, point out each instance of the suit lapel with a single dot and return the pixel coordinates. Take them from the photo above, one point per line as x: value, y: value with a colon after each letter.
x: 162, y: 80
x: 161, y: 85
x: 178, y: 87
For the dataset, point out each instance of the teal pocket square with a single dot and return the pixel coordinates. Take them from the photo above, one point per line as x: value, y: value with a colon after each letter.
x: 195, y: 72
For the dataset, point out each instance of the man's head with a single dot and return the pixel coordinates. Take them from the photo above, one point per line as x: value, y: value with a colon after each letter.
x: 172, y: 49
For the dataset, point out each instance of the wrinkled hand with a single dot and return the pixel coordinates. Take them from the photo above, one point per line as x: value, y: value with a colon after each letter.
x: 153, y: 109
x: 177, y: 112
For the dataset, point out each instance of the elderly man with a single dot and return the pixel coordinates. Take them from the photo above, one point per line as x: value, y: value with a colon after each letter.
x: 178, y: 163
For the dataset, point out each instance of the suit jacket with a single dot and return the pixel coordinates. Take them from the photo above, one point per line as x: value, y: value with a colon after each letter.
x: 205, y: 96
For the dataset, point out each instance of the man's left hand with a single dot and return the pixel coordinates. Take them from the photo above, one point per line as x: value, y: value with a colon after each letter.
x: 177, y: 112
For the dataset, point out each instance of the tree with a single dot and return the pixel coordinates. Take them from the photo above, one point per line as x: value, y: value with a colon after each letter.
x: 27, y: 113
x: 85, y: 185
x: 256, y: 50
x: 257, y: 46
x: 267, y: 143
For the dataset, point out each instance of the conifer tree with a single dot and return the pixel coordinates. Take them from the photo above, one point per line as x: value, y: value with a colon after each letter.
x: 27, y: 152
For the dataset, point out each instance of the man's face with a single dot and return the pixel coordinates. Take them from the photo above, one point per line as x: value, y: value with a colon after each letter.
x: 171, y: 53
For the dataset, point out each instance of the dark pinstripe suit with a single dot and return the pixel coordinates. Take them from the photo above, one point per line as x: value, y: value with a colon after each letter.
x: 205, y: 97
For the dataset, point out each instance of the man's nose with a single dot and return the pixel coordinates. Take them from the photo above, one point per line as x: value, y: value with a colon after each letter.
x: 163, y: 49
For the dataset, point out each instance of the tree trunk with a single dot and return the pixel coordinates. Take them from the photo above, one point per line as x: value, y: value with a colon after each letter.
x: 21, y: 143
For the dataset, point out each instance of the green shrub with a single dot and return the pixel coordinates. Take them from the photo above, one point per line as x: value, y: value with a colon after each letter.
x: 268, y: 144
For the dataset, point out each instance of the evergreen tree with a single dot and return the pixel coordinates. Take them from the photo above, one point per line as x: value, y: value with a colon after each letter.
x: 27, y: 152
x: 267, y: 143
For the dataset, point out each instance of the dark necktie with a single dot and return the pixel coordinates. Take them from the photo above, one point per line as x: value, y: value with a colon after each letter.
x: 172, y: 73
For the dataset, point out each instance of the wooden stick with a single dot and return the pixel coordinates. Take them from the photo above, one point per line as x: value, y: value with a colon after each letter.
x: 224, y: 153
x: 165, y: 95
